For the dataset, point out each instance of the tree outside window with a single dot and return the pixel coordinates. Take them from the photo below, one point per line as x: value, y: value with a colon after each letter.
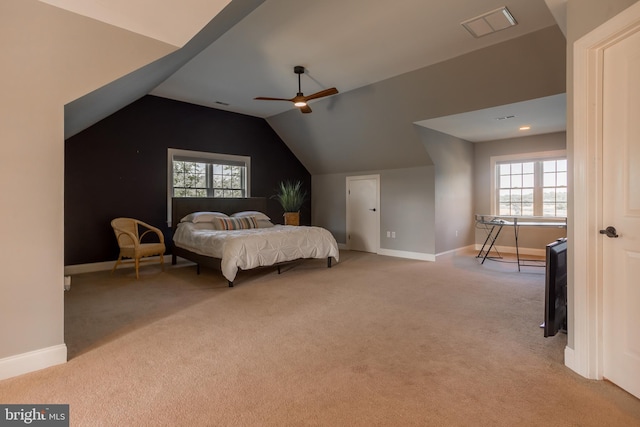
x: 196, y: 179
x: 204, y: 174
x: 532, y: 188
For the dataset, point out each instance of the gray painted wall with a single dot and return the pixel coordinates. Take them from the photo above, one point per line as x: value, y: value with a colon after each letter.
x: 407, y: 206
x: 534, y: 238
x: 453, y: 159
x: 329, y: 205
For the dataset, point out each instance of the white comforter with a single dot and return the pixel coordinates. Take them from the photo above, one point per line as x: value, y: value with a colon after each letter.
x: 247, y: 249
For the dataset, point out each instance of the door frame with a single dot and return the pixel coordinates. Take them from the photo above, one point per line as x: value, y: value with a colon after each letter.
x: 348, y: 218
x: 585, y: 248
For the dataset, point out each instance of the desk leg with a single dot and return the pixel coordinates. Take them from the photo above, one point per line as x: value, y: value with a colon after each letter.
x: 485, y: 241
x: 492, y: 239
x: 516, y: 229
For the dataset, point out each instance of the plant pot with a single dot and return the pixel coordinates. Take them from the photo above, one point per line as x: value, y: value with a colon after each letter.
x: 292, y: 218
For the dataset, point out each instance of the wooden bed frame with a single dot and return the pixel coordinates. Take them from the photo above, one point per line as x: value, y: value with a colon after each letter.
x: 182, y: 206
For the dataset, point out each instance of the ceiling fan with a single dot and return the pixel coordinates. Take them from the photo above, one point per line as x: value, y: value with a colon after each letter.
x: 300, y: 100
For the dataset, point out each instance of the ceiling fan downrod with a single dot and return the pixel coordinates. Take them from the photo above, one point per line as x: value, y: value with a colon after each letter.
x: 299, y: 70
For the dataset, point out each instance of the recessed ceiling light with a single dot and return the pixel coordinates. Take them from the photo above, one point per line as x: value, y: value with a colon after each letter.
x: 525, y: 127
x: 490, y: 22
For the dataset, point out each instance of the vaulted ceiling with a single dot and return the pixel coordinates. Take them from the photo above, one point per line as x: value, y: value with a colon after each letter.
x: 388, y: 60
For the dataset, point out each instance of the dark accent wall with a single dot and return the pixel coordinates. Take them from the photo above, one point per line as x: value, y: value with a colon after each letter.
x: 118, y: 167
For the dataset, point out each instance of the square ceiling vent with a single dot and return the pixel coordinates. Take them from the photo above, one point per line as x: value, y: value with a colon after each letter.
x: 490, y: 22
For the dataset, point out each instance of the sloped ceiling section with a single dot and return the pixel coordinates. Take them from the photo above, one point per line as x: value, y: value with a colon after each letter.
x: 171, y: 21
x: 372, y: 128
x: 558, y: 9
x: 100, y: 103
x: 342, y: 44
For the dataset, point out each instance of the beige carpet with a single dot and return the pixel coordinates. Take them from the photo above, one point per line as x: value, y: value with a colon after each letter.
x: 373, y: 341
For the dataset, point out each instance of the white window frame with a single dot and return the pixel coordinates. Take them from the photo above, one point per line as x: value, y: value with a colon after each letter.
x: 205, y: 157
x: 522, y: 157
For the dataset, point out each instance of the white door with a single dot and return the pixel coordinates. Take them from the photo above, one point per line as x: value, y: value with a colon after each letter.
x: 621, y: 209
x: 363, y: 213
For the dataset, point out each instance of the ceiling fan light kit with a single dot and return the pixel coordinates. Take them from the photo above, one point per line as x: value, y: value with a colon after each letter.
x: 300, y: 100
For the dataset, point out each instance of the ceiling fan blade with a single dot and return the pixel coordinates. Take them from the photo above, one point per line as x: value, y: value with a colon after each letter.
x: 300, y: 100
x: 322, y: 93
x: 266, y: 98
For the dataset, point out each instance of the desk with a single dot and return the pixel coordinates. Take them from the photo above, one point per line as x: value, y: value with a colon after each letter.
x: 494, y: 224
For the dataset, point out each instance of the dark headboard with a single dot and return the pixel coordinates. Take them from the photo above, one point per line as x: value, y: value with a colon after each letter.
x: 182, y: 206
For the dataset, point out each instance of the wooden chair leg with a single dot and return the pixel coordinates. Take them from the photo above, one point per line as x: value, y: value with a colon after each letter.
x: 162, y: 261
x: 116, y: 264
x: 137, y: 266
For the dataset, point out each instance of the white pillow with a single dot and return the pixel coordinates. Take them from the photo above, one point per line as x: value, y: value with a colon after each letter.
x: 204, y: 226
x: 257, y: 214
x: 264, y: 223
x: 196, y: 217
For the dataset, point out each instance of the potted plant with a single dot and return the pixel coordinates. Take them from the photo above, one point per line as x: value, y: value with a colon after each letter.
x: 291, y: 196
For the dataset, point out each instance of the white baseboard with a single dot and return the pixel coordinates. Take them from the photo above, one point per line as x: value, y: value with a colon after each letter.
x: 579, y: 365
x: 70, y: 270
x: 570, y: 362
x: 420, y: 256
x: 19, y: 364
x: 456, y: 251
x: 512, y: 250
x: 405, y: 254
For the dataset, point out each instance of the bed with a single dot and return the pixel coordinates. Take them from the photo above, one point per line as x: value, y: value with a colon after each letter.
x: 198, y: 237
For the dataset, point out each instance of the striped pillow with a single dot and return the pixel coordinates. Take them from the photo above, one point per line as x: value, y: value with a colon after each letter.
x: 240, y: 223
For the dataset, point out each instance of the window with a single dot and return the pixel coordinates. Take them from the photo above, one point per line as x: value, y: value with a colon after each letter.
x: 200, y: 179
x: 202, y: 174
x: 535, y: 185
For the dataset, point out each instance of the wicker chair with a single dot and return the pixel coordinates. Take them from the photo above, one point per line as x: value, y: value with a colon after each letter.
x: 130, y: 241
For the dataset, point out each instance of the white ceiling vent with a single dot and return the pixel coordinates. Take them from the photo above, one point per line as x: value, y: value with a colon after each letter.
x: 490, y: 22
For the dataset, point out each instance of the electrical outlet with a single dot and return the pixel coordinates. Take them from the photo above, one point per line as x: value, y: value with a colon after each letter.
x: 456, y: 233
x: 388, y: 234
x: 393, y: 234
